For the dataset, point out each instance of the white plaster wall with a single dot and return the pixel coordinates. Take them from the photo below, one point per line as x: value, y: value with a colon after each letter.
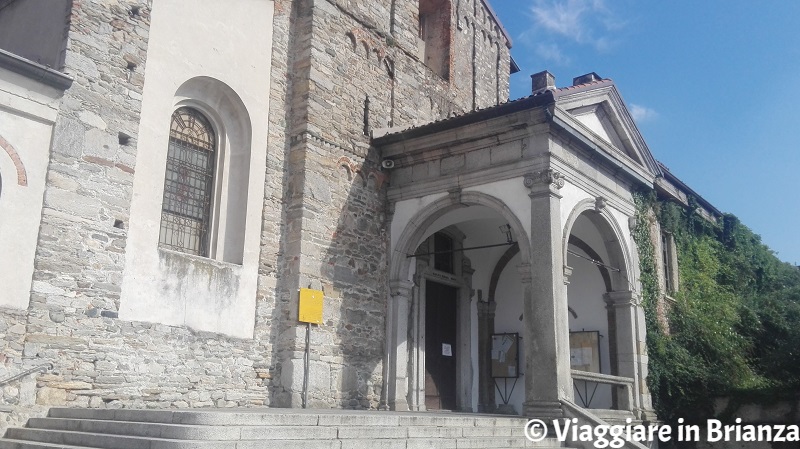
x: 599, y: 123
x: 230, y: 42
x: 571, y: 195
x: 404, y: 212
x: 511, y: 191
x: 481, y: 232
x: 509, y: 297
x: 27, y: 113
x: 585, y: 296
x: 514, y: 194
x: 586, y: 231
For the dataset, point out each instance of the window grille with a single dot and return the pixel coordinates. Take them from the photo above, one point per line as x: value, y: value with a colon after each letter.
x: 443, y: 253
x: 188, y: 184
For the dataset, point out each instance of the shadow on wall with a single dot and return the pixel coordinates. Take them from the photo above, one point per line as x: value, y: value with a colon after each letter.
x: 356, y: 261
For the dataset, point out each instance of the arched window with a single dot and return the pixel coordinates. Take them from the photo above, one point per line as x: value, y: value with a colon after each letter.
x: 188, y: 184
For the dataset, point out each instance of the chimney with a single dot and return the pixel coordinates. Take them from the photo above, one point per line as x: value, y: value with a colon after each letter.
x: 585, y: 79
x: 542, y: 82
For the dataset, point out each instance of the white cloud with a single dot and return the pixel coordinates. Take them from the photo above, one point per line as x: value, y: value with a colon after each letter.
x: 564, y: 18
x: 642, y: 113
x: 586, y: 22
x: 550, y: 51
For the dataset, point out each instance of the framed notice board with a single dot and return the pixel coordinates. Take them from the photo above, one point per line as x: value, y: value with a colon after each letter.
x: 505, y: 356
x: 584, y: 351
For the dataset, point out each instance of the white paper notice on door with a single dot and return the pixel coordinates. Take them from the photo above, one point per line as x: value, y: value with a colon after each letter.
x: 447, y: 350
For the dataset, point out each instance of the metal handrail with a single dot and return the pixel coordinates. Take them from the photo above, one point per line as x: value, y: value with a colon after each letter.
x: 44, y: 367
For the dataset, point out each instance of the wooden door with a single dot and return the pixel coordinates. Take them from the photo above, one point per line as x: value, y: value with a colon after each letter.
x: 440, y: 346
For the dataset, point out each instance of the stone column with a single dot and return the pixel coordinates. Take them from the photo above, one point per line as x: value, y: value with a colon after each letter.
x: 464, y: 373
x: 622, y: 315
x: 547, y: 375
x: 397, y: 343
x: 486, y: 398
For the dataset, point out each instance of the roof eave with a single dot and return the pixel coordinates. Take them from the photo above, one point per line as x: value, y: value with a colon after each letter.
x: 688, y: 190
x: 466, y: 119
x: 644, y: 179
x: 34, y: 71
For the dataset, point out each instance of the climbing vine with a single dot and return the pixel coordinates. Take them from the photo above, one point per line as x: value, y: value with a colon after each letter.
x: 733, y: 326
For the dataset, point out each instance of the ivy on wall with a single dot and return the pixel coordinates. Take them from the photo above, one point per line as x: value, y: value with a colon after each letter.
x: 734, y: 326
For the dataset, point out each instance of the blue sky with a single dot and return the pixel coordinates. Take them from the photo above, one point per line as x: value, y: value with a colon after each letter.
x: 713, y: 86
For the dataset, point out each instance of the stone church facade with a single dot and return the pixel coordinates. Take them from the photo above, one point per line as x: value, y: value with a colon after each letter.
x: 173, y: 171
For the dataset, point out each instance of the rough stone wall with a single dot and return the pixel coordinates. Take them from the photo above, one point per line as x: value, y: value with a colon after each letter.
x: 19, y: 395
x: 490, y: 59
x: 101, y: 361
x: 324, y: 219
x: 347, y: 74
x: 325, y: 135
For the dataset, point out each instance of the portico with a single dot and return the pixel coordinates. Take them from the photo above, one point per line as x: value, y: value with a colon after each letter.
x: 530, y: 203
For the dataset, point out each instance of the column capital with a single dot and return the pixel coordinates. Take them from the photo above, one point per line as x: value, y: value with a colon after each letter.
x: 487, y: 308
x: 400, y: 288
x: 544, y: 183
x: 524, y: 270
x: 621, y: 298
x: 567, y: 274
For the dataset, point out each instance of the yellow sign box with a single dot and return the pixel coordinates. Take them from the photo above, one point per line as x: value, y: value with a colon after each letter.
x: 310, y: 308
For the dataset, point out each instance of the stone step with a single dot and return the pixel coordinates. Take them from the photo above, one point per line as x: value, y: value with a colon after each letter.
x: 208, y: 432
x: 614, y: 416
x: 57, y: 438
x: 288, y: 417
x: 7, y: 443
x: 269, y: 428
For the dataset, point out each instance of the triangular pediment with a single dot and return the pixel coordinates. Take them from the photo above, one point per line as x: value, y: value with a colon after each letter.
x: 599, y: 112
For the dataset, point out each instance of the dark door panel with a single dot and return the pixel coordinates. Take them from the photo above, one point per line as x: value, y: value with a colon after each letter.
x: 440, y: 346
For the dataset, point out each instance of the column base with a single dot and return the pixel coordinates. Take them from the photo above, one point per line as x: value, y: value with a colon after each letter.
x: 399, y: 406
x: 647, y: 415
x: 544, y: 410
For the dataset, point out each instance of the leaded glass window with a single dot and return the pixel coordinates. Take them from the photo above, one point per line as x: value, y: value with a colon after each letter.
x: 188, y: 183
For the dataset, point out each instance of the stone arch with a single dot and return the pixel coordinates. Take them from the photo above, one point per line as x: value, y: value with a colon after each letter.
x: 609, y: 229
x: 620, y: 299
x: 22, y: 174
x: 388, y: 64
x: 418, y: 225
x: 231, y: 121
x: 402, y: 368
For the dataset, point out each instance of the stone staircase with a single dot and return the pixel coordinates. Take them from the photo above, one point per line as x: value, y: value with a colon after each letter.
x: 72, y: 428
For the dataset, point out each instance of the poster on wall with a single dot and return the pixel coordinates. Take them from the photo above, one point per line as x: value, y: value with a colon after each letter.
x: 505, y: 356
x: 584, y: 351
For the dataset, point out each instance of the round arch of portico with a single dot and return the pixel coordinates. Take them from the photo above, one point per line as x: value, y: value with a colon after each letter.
x: 399, y: 374
x: 417, y: 227
x: 621, y: 300
x: 613, y: 239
